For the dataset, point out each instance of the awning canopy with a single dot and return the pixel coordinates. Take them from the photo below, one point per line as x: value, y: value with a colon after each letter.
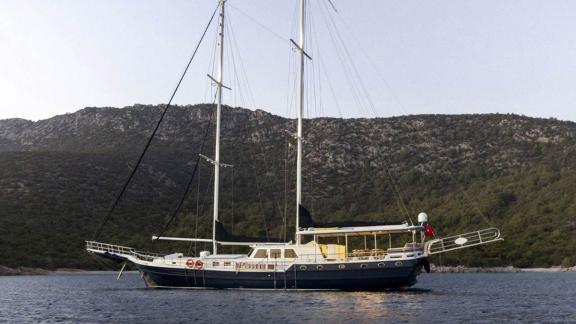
x: 361, y: 230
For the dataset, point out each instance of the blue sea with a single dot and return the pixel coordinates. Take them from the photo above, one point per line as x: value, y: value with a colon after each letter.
x: 437, y: 298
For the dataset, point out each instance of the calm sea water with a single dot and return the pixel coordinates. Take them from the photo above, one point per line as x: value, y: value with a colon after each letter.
x: 441, y: 298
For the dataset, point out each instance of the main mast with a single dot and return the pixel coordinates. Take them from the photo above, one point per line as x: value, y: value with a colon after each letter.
x: 218, y: 109
x: 300, y: 112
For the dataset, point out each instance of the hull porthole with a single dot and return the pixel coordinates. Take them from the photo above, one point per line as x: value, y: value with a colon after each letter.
x: 363, y: 266
x: 303, y: 268
x: 398, y: 263
x: 381, y: 265
x: 341, y: 266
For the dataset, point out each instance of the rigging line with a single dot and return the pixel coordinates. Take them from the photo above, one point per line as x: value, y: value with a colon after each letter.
x: 396, y: 190
x: 293, y: 65
x: 331, y: 88
x: 345, y: 68
x: 292, y: 75
x: 203, y: 204
x: 385, y: 83
x: 238, y: 76
x: 362, y: 87
x: 238, y: 97
x: 188, y: 185
x: 141, y: 157
x: 243, y: 75
x: 312, y: 69
x: 374, y: 67
x: 211, y: 65
x: 356, y: 94
x: 370, y: 103
x: 351, y: 67
x: 475, y: 205
x: 232, y: 216
x: 293, y: 81
x: 354, y: 69
x: 275, y: 202
x: 316, y: 66
x: 333, y: 6
x: 255, y: 21
x: 197, y: 209
x: 259, y: 190
x: 285, y: 218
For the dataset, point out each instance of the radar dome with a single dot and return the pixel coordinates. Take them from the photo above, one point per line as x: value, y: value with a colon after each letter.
x: 422, y: 218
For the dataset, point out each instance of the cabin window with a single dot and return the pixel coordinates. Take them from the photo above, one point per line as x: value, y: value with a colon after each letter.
x: 289, y: 253
x: 261, y: 254
x: 275, y: 253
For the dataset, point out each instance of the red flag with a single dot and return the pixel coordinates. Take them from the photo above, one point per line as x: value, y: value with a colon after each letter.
x: 428, y: 230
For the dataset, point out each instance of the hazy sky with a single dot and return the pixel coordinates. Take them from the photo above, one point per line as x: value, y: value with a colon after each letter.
x: 409, y: 57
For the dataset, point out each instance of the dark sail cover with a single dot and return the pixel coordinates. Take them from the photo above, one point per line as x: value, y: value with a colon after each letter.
x: 306, y: 221
x: 223, y: 236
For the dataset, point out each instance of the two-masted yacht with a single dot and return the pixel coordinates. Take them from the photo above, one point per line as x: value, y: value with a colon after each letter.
x: 345, y: 256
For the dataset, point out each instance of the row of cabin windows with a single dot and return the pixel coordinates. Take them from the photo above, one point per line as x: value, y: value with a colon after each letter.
x: 275, y: 254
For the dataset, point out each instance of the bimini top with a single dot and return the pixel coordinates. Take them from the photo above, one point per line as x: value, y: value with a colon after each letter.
x: 360, y: 230
x: 310, y: 227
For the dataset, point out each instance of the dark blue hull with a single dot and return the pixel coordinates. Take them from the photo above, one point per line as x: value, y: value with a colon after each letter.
x: 348, y: 276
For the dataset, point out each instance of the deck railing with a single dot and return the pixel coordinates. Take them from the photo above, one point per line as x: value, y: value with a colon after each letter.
x: 119, y: 250
x: 461, y: 241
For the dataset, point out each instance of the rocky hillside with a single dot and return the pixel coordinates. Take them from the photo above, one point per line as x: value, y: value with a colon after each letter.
x: 58, y: 177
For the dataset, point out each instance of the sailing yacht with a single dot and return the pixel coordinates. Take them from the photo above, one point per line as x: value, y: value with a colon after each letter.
x: 322, y: 256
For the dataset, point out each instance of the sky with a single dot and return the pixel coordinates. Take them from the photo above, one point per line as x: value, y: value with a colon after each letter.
x: 370, y: 58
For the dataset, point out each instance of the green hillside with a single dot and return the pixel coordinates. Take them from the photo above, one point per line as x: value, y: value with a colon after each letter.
x: 59, y: 176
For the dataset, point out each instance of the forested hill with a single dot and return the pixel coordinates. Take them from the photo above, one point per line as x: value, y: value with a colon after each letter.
x: 59, y: 176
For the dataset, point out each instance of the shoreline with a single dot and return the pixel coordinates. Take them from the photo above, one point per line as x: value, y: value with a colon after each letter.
x: 508, y: 269
x: 28, y: 271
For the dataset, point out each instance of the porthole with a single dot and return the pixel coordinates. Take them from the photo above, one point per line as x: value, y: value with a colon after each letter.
x: 363, y: 266
x: 381, y: 265
x: 303, y: 267
x: 319, y: 267
x: 341, y: 266
x: 398, y: 263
